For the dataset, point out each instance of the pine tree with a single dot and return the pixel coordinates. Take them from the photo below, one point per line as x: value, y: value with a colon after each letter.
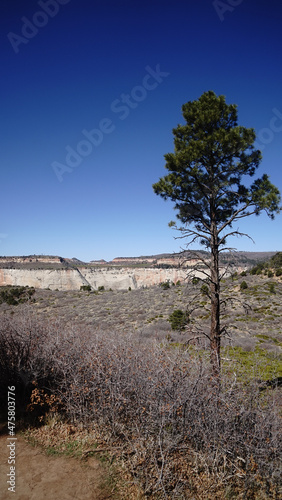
x: 212, y: 154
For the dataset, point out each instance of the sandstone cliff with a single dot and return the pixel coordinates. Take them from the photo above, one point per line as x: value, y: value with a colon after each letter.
x: 136, y: 272
x: 73, y: 279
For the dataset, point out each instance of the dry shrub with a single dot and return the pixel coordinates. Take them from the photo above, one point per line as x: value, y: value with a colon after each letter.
x: 177, y: 434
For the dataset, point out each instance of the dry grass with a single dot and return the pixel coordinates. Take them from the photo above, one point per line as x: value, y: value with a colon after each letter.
x: 254, y: 311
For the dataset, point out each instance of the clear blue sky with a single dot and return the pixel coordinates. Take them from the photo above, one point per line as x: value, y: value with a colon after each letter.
x: 124, y: 68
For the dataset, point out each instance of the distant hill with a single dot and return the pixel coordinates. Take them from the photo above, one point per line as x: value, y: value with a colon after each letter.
x: 240, y: 258
x: 177, y: 259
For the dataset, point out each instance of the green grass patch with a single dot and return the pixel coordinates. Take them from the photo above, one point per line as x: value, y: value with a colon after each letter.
x: 267, y: 338
x: 248, y: 365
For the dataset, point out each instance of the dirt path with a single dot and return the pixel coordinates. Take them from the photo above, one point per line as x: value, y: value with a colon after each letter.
x: 42, y: 477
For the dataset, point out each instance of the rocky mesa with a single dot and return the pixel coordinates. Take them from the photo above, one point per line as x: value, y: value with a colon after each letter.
x: 58, y: 273
x: 73, y: 279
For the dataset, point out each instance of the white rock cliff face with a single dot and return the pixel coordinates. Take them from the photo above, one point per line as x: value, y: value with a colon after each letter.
x: 40, y: 278
x: 73, y: 279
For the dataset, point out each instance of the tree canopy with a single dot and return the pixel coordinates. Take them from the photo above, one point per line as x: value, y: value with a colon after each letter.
x: 211, y: 157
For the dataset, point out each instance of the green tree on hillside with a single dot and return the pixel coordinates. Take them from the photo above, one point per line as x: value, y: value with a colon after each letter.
x: 276, y: 260
x: 212, y: 154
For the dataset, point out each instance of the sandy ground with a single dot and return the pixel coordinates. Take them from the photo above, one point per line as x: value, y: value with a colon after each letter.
x: 42, y: 477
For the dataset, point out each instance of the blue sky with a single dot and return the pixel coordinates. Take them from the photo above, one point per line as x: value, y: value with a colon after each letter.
x: 121, y: 70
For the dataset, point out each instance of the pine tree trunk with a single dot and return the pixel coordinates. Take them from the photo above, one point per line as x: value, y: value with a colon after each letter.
x: 215, y: 305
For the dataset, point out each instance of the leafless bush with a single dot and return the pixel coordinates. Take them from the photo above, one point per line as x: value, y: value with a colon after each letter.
x: 155, y: 400
x: 25, y: 356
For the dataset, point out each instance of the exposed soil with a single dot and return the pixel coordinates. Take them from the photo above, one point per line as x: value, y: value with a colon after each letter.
x: 43, y: 477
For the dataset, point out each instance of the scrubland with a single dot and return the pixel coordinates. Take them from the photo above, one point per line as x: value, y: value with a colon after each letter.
x: 105, y: 371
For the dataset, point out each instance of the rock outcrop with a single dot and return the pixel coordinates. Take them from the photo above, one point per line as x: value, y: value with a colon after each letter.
x: 119, y: 274
x: 73, y: 279
x: 61, y: 279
